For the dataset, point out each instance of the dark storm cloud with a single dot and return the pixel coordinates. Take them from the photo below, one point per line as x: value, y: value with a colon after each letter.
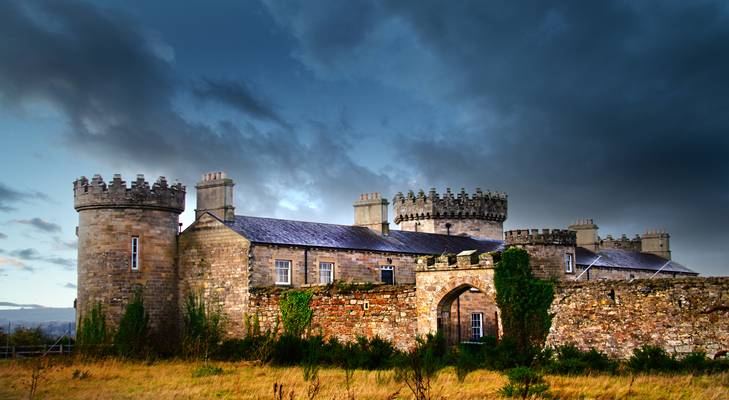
x: 39, y: 224
x: 118, y: 96
x: 616, y: 110
x: 237, y: 95
x: 9, y: 196
x: 31, y: 254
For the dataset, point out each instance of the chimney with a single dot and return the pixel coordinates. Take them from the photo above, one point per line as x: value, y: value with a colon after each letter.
x: 586, y: 234
x: 656, y: 242
x: 371, y: 211
x: 215, y: 195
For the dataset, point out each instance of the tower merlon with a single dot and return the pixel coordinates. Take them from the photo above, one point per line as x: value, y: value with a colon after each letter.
x: 97, y: 194
x: 490, y: 206
x: 561, y: 237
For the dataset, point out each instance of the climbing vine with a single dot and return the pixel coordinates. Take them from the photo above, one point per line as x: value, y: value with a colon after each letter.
x: 295, y: 311
x: 524, y: 302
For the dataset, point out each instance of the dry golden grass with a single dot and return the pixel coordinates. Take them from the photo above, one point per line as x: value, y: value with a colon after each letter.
x: 113, y: 379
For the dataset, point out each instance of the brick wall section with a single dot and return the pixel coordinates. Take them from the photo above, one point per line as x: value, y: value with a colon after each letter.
x: 680, y: 315
x: 474, y: 302
x: 214, y: 259
x: 349, y: 266
x: 391, y: 312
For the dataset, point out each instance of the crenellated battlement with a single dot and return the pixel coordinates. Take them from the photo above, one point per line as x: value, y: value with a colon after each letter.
x: 561, y: 237
x: 97, y: 194
x: 490, y: 206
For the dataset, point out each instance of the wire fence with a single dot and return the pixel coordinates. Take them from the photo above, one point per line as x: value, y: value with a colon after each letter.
x: 35, y: 351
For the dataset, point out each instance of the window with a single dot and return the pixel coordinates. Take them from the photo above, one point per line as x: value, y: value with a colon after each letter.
x: 387, y: 274
x: 283, y: 272
x: 476, y: 326
x: 568, y: 263
x: 135, y: 253
x: 326, y: 272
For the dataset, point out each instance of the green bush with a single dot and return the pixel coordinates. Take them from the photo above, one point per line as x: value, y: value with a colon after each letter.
x: 569, y: 360
x: 207, y: 370
x: 202, y: 327
x: 418, y: 367
x: 649, y: 359
x: 27, y: 337
x: 295, y: 311
x: 698, y: 363
x: 132, y: 337
x: 93, y: 337
x: 524, y: 382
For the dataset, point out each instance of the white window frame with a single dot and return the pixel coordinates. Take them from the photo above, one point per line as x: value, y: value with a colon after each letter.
x: 476, y: 326
x: 134, y: 261
x: 276, y: 268
x: 569, y: 263
x: 330, y: 279
x: 387, y: 268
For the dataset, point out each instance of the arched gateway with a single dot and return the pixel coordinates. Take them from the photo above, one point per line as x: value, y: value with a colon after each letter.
x: 456, y: 296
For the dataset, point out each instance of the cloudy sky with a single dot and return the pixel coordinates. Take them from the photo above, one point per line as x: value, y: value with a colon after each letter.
x: 617, y: 111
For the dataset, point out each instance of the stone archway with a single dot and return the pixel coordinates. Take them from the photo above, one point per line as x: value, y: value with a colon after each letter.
x: 442, y: 283
x: 466, y: 313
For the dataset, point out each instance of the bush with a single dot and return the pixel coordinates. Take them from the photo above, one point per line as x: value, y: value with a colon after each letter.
x: 206, y: 370
x: 132, y: 337
x: 524, y: 382
x: 288, y: 350
x: 650, y: 359
x: 420, y: 366
x: 295, y: 312
x: 202, y: 327
x: 28, y: 337
x: 698, y: 363
x: 569, y: 360
x: 93, y: 336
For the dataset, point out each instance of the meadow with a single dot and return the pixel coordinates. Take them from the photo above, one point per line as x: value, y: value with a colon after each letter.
x: 73, y: 378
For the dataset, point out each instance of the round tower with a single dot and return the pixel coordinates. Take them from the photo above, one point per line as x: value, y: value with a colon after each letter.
x: 127, y: 239
x: 480, y: 215
x: 551, y: 251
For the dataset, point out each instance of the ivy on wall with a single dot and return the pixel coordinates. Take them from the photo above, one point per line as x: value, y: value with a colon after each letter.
x: 295, y: 311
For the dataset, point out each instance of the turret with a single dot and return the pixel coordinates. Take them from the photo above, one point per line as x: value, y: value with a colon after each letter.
x: 480, y: 215
x: 127, y: 240
x: 215, y: 195
x: 371, y: 211
x: 551, y: 251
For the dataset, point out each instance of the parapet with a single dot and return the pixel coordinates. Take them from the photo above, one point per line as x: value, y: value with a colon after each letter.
x: 559, y: 237
x: 96, y: 194
x: 490, y: 206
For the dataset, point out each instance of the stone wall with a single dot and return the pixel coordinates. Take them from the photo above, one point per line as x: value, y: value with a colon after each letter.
x: 681, y: 315
x: 213, y: 259
x: 349, y: 266
x: 386, y: 311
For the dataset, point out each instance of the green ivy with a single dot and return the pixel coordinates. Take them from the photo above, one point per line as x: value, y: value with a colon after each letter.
x: 524, y: 302
x: 295, y: 311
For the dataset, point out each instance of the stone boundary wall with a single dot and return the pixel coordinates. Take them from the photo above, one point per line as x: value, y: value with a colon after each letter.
x: 679, y: 314
x: 384, y: 310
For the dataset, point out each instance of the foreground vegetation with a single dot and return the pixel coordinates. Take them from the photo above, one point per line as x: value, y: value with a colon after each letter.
x: 64, y: 378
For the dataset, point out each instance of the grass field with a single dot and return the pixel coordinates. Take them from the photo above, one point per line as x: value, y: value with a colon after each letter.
x: 111, y: 379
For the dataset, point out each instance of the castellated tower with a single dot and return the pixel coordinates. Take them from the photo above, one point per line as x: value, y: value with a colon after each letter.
x: 481, y: 215
x: 127, y: 239
x: 551, y: 251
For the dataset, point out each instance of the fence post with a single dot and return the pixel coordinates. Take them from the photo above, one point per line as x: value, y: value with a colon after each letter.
x: 13, y: 351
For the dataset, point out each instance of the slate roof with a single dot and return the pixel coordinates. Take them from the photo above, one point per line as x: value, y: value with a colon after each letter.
x: 314, y: 234
x: 626, y: 259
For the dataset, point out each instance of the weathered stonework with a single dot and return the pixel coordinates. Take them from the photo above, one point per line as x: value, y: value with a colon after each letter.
x: 481, y: 215
x: 386, y: 311
x: 547, y: 250
x: 680, y: 315
x: 109, y: 217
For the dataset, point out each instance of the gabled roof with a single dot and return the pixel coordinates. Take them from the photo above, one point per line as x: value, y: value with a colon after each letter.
x: 626, y: 259
x: 314, y: 234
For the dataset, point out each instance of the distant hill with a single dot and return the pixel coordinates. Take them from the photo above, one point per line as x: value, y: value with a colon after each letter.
x: 55, y: 321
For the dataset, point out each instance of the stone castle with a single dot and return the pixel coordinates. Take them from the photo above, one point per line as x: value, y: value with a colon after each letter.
x: 433, y: 274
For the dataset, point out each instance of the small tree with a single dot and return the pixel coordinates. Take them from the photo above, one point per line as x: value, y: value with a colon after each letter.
x: 93, y: 336
x: 133, y: 334
x: 202, y: 327
x: 524, y: 302
x: 295, y: 312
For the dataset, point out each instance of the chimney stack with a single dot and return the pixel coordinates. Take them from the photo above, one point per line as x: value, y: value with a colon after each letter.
x: 371, y: 211
x: 586, y: 234
x: 215, y: 195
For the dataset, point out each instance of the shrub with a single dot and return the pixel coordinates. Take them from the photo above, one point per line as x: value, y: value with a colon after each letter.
x: 524, y: 302
x: 206, y: 370
x: 295, y: 311
x: 652, y: 359
x: 698, y: 363
x: 569, y: 360
x: 202, y: 327
x: 418, y: 367
x: 28, y: 337
x: 93, y: 336
x: 132, y: 337
x: 288, y: 350
x: 524, y: 382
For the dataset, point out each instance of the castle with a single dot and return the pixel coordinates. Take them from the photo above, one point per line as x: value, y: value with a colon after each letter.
x: 433, y: 274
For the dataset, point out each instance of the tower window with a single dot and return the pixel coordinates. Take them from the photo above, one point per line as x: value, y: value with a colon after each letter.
x: 387, y: 274
x: 326, y: 272
x: 283, y: 272
x: 569, y: 263
x: 476, y: 326
x: 135, y: 253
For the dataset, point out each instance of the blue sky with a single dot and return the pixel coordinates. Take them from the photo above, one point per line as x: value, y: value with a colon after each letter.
x: 615, y: 111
